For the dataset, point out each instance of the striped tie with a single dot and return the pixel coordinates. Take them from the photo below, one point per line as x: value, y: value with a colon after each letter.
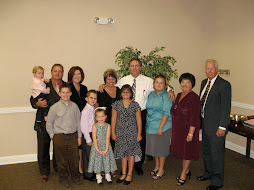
x: 134, y: 88
x: 205, y: 94
x: 57, y: 88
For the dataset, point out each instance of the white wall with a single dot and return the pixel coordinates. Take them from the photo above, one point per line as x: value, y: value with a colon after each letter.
x: 231, y: 42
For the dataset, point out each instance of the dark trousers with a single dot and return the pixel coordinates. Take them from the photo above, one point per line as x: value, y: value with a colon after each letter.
x: 143, y: 141
x: 85, y: 156
x: 67, y: 156
x: 43, y: 145
x: 213, y: 157
x: 41, y: 112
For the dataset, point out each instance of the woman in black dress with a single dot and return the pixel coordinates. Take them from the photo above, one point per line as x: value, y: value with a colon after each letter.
x: 110, y: 94
x: 75, y: 78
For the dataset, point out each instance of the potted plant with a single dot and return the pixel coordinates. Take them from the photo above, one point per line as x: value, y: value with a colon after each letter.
x: 152, y: 64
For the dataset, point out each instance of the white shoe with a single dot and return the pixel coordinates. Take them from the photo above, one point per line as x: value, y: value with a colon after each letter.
x: 108, y: 178
x: 99, y: 179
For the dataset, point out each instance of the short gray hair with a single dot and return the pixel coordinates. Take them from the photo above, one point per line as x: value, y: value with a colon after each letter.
x: 212, y: 60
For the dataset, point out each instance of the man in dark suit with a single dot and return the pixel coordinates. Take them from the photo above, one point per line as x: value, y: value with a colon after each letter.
x: 43, y: 139
x: 215, y: 94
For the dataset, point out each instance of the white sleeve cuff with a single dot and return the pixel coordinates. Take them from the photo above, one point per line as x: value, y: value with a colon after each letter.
x: 223, y: 128
x: 88, y: 140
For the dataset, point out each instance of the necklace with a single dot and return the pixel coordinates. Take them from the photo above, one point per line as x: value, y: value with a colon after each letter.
x: 112, y: 94
x: 110, y: 91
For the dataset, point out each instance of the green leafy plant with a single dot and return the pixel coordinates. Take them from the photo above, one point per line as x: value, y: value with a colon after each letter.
x: 152, y: 64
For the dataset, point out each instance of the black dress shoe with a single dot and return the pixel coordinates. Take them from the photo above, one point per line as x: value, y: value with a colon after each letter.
x: 211, y: 187
x: 119, y: 180
x: 139, y: 171
x: 127, y: 182
x: 44, y: 178
x: 92, y: 178
x: 202, y: 178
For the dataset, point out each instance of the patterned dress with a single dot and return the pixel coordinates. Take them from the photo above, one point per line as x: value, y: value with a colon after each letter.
x: 126, y: 130
x: 99, y: 163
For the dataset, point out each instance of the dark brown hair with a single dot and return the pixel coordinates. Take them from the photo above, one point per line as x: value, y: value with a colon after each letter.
x: 135, y: 59
x: 188, y: 76
x: 128, y: 87
x: 55, y: 65
x: 64, y: 85
x: 72, y: 71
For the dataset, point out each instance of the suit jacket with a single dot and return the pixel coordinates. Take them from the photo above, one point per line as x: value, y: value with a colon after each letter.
x: 218, y: 105
x: 53, y: 96
x: 79, y: 100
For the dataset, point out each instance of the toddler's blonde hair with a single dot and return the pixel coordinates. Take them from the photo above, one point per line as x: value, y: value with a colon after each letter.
x: 36, y: 68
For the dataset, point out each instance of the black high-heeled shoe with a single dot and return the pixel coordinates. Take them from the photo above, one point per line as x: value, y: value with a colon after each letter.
x: 153, y: 172
x: 188, y: 174
x: 121, y: 180
x: 158, y: 176
x: 127, y: 182
x: 181, y: 182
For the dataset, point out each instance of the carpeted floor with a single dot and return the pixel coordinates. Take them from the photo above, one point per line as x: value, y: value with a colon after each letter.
x: 239, y: 174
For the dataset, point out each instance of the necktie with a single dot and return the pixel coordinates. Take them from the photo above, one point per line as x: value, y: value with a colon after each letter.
x: 205, y: 94
x: 57, y: 88
x: 134, y: 88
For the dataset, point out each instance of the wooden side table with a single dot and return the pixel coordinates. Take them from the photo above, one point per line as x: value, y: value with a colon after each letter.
x: 240, y: 129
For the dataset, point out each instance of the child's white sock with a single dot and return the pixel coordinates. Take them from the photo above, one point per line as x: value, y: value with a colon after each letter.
x: 99, y: 179
x: 108, y: 178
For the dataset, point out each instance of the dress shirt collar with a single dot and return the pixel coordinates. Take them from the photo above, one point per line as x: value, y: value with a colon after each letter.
x: 64, y: 102
x: 139, y: 76
x: 54, y: 82
x: 213, y: 80
x: 161, y: 93
x: 90, y: 107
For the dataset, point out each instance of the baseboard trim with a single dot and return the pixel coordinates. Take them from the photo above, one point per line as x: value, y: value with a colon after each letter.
x: 238, y: 149
x: 16, y: 110
x: 20, y: 159
x: 33, y: 157
x: 244, y: 106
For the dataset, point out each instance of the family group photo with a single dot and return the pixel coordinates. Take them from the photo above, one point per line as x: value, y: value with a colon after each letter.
x: 126, y: 95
